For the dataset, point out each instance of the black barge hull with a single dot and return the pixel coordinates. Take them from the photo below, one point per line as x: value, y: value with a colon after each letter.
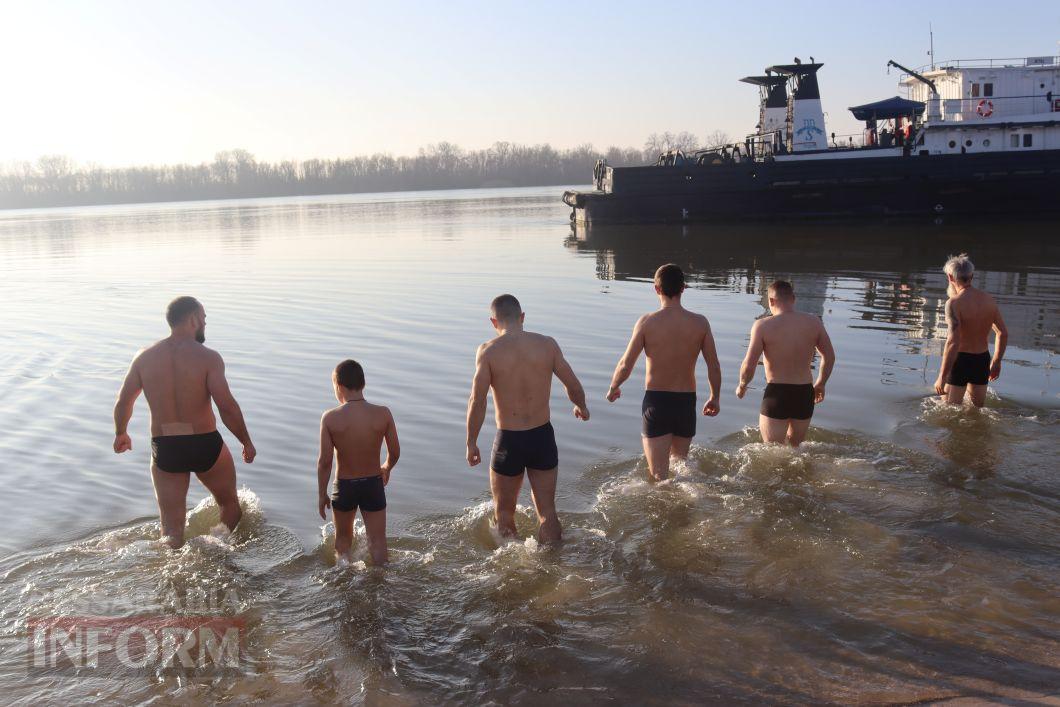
x: 967, y: 184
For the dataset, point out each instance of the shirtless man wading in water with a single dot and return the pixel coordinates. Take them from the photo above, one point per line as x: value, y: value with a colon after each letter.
x: 971, y: 314
x: 179, y: 377
x: 518, y: 366
x: 672, y: 339
x: 789, y: 340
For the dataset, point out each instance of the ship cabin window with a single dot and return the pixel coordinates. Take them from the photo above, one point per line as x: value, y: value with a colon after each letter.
x: 1014, y: 140
x: 975, y: 90
x: 953, y: 144
x: 967, y: 143
x: 986, y: 142
x: 1028, y: 140
x: 988, y: 89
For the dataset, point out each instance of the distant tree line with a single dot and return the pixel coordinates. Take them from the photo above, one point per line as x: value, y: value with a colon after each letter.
x: 57, y: 181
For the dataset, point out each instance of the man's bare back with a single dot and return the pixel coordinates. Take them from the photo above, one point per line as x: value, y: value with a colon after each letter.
x: 521, y: 366
x: 789, y: 344
x: 673, y: 341
x: 175, y: 376
x: 977, y: 313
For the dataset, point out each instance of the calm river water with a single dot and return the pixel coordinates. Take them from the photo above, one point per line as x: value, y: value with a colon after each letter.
x: 907, y: 553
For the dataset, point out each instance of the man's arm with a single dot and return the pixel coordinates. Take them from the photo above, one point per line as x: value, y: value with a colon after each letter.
x: 324, y: 462
x: 231, y: 415
x: 949, y: 351
x: 123, y: 408
x: 393, y: 447
x: 824, y: 346
x: 566, y: 376
x: 750, y: 360
x: 710, y: 355
x: 476, y: 405
x: 1000, y: 344
x: 629, y: 359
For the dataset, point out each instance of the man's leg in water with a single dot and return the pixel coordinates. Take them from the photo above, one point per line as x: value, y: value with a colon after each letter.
x: 220, y: 481
x: 978, y: 394
x: 543, y: 491
x: 375, y: 528
x: 171, y: 492
x: 773, y: 430
x: 505, y: 495
x: 343, y: 533
x: 679, y: 447
x: 657, y: 451
x: 955, y: 394
x: 797, y: 431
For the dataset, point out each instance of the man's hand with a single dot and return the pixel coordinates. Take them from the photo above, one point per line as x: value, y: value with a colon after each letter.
x: 323, y: 502
x: 741, y: 390
x: 995, y: 369
x: 581, y: 412
x: 940, y: 385
x: 122, y: 443
x: 385, y: 470
x: 712, y: 408
x: 249, y: 452
x: 818, y: 393
x: 474, y: 458
x: 613, y: 394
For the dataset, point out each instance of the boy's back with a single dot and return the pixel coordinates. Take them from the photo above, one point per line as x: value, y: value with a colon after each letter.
x: 357, y: 430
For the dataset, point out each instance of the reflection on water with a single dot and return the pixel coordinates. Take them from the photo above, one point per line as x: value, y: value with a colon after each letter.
x: 907, y: 553
x: 894, y: 268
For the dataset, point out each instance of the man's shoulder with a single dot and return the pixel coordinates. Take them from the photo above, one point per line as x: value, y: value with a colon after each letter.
x: 381, y: 411
x: 537, y: 340
x: 699, y: 319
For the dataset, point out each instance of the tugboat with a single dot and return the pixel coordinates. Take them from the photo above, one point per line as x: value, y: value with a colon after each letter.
x: 973, y: 137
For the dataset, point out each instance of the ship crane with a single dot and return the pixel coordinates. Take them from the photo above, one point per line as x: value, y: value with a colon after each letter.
x: 934, y: 108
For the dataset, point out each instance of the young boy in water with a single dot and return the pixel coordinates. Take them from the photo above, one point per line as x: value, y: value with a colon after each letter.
x: 355, y: 431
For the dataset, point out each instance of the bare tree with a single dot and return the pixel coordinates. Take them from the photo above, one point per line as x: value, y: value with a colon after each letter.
x: 716, y: 138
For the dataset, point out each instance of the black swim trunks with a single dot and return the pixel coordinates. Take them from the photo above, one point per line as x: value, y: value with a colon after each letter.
x: 788, y: 401
x: 517, y: 450
x: 970, y: 369
x: 664, y: 412
x: 364, y: 492
x: 183, y: 454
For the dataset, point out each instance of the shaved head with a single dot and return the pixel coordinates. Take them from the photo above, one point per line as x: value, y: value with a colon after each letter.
x: 505, y: 308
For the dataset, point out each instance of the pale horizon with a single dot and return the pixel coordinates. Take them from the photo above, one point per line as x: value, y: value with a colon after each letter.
x: 123, y: 84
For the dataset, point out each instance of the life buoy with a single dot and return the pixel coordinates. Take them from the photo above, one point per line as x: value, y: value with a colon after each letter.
x: 985, y: 108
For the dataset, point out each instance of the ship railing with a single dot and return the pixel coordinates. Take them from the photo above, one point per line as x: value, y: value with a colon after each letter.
x: 1020, y: 62
x: 979, y: 107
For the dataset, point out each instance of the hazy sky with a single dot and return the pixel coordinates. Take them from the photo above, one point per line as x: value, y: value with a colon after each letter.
x: 146, y: 82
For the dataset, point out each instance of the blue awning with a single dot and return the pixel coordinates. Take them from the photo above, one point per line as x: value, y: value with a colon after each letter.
x: 888, y: 109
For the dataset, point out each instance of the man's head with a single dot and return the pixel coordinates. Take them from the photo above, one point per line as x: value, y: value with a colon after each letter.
x: 185, y: 313
x: 505, y: 312
x: 781, y: 295
x: 348, y: 379
x: 669, y: 281
x: 959, y: 269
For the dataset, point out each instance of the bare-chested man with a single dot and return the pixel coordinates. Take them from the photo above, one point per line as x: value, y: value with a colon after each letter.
x: 518, y: 365
x: 789, y: 340
x: 179, y: 376
x: 355, y: 432
x: 970, y: 316
x: 672, y: 339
